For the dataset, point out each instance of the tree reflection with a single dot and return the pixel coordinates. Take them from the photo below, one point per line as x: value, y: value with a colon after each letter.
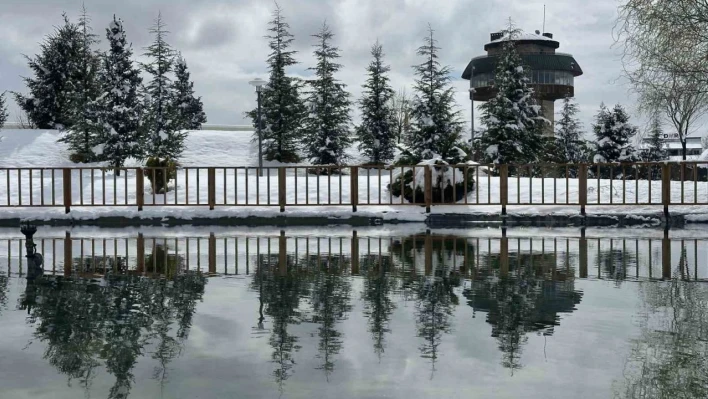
x: 110, y: 321
x: 670, y: 357
x: 433, y: 292
x: 280, y: 290
x: 4, y: 283
x: 529, y: 298
x: 378, y: 305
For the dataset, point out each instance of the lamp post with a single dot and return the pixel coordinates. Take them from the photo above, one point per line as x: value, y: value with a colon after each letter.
x: 258, y: 84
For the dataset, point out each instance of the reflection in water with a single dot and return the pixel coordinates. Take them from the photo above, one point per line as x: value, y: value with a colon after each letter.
x: 670, y: 357
x: 119, y: 305
x: 111, y: 321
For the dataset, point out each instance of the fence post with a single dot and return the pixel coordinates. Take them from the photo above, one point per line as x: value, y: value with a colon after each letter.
x: 428, y: 194
x: 355, y: 253
x: 354, y: 185
x: 66, y: 178
x: 212, y: 253
x: 282, y: 254
x: 503, y: 187
x: 428, y: 253
x: 281, y: 188
x: 211, y: 187
x: 666, y: 256
x: 583, y: 187
x: 504, y: 254
x: 139, y: 187
x: 141, y: 253
x: 583, y: 254
x: 666, y: 188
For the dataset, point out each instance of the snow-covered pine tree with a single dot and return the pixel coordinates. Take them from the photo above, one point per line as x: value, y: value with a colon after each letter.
x: 84, y: 131
x: 376, y: 133
x: 568, y: 133
x: 119, y: 107
x: 655, y: 150
x: 282, y: 108
x: 327, y: 125
x: 512, y: 118
x: 55, y: 68
x: 435, y: 128
x: 162, y: 139
x: 189, y: 108
x: 614, y: 134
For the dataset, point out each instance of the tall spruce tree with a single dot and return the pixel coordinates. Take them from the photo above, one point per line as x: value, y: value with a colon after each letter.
x: 327, y: 126
x: 84, y: 131
x: 436, y: 129
x: 512, y: 118
x: 163, y: 140
x: 119, y: 107
x: 54, y: 84
x: 376, y: 133
x: 282, y: 109
x: 190, y: 110
x: 655, y: 150
x: 614, y: 134
x: 568, y: 133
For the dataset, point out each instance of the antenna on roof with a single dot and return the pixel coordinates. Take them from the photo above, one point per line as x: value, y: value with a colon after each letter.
x: 544, y: 19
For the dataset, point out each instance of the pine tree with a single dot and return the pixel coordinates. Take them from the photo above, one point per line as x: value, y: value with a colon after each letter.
x: 512, y: 118
x: 282, y: 109
x: 376, y: 132
x: 3, y: 111
x: 84, y: 131
x: 190, y: 111
x: 119, y: 107
x: 614, y: 134
x: 568, y: 133
x: 163, y: 140
x: 327, y: 126
x: 54, y: 84
x: 655, y: 150
x: 436, y: 129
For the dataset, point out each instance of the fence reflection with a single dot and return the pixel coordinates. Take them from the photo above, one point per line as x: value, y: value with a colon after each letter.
x: 470, y: 257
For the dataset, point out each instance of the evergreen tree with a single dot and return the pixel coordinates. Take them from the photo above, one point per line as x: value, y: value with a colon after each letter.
x: 376, y: 132
x: 84, y: 131
x: 327, y: 126
x: 119, y: 107
x: 512, y: 118
x: 190, y: 111
x: 655, y: 150
x: 568, y: 133
x: 282, y: 109
x: 54, y: 84
x: 436, y: 129
x: 163, y: 140
x: 3, y: 111
x: 614, y: 134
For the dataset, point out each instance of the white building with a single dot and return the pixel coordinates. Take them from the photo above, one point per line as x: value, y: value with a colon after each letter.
x: 672, y: 144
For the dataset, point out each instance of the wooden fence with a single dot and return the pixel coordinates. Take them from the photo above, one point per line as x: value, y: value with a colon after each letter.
x: 581, y: 185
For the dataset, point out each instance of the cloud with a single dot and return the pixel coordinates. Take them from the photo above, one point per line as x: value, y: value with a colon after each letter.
x: 224, y: 45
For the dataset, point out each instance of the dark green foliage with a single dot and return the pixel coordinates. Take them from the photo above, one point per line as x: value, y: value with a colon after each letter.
x: 57, y: 78
x: 655, y: 150
x: 119, y: 107
x: 3, y: 111
x: 282, y: 109
x: 443, y: 189
x: 378, y: 288
x: 614, y: 134
x: 376, y: 133
x: 190, y: 111
x: 327, y: 126
x: 435, y: 129
x: 512, y: 118
x: 162, y: 139
x: 569, y: 135
x: 160, y: 172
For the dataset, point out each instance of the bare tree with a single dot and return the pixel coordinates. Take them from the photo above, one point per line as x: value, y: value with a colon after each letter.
x: 665, y: 43
x: 401, y: 106
x: 23, y: 121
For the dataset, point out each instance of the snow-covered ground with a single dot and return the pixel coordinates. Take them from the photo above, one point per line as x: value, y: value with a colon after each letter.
x: 238, y: 187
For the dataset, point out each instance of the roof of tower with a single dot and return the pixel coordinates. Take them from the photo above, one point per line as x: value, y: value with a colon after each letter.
x: 545, y: 39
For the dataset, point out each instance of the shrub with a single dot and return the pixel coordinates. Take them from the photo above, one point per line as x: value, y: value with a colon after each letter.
x: 412, y: 187
x: 160, y: 172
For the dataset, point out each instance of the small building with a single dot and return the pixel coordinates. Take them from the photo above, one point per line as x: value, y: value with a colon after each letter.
x: 552, y: 74
x: 672, y: 144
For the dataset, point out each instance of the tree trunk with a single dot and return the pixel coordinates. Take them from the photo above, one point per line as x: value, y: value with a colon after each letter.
x: 683, y: 148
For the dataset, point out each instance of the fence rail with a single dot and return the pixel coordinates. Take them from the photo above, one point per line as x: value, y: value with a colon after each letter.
x: 581, y: 185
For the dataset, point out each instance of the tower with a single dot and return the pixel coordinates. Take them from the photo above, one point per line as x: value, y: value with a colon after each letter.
x: 552, y: 74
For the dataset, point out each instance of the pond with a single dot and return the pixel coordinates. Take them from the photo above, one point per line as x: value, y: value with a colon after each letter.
x: 390, y: 312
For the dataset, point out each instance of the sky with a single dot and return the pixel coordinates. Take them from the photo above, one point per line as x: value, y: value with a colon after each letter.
x: 223, y: 41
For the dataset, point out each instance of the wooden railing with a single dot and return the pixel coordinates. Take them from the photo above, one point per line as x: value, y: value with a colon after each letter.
x: 578, y: 185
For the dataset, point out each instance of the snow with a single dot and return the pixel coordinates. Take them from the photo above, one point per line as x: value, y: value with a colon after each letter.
x: 39, y: 149
x: 523, y: 36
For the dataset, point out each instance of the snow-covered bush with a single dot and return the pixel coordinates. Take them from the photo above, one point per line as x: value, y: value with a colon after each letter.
x: 160, y: 172
x: 448, y: 182
x: 614, y: 136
